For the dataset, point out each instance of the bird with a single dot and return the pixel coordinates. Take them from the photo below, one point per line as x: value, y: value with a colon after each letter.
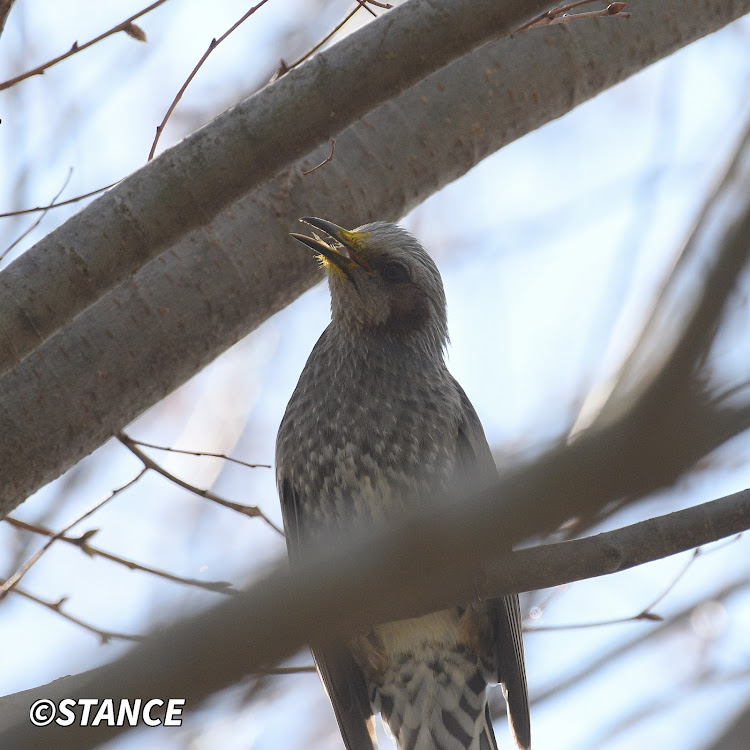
x: 376, y: 424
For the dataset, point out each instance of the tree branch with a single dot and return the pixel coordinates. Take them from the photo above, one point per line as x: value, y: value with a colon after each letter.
x: 5, y: 6
x: 217, y: 284
x: 251, y: 511
x: 576, y: 676
x: 440, y: 558
x: 187, y: 186
x: 734, y: 736
x: 75, y: 48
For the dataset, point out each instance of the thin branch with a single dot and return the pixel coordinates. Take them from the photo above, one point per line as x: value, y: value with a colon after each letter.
x: 67, y: 202
x: 614, y: 10
x: 363, y: 3
x: 325, y: 161
x: 28, y: 231
x: 645, y: 614
x: 286, y: 68
x: 646, y: 611
x: 211, y: 47
x: 583, y: 672
x: 289, y: 670
x: 125, y: 26
x: 57, y: 607
x: 21, y: 572
x: 549, y: 16
x: 82, y: 542
x: 200, y: 453
x: 640, y: 617
x: 249, y: 510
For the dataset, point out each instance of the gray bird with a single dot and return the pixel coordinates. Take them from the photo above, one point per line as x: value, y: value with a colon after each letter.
x: 377, y: 422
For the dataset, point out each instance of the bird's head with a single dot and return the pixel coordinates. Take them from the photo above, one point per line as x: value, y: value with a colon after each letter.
x: 382, y: 280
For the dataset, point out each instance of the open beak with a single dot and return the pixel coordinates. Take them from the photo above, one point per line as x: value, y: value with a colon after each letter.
x: 346, y: 262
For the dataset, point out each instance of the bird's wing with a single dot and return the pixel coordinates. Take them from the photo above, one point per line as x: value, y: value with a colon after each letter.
x: 341, y: 676
x: 475, y: 458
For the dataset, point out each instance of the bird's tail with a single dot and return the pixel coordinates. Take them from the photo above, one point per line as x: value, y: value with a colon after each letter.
x: 437, y: 704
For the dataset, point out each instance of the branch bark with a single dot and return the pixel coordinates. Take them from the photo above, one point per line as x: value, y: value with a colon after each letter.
x: 147, y: 336
x: 440, y: 558
x: 186, y: 187
x: 734, y: 737
x: 5, y: 7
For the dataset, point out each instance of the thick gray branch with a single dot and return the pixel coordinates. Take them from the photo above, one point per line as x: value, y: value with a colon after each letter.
x: 5, y: 6
x: 187, y: 185
x: 150, y: 334
x: 439, y: 559
x: 735, y: 736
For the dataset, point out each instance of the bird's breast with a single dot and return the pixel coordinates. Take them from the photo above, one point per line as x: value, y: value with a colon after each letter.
x: 366, y: 433
x: 367, y: 462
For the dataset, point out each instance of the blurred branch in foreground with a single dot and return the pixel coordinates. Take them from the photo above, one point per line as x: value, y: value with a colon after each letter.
x: 441, y: 558
x: 660, y: 405
x: 687, y: 310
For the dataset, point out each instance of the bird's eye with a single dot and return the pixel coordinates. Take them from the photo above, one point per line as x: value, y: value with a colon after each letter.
x: 394, y: 272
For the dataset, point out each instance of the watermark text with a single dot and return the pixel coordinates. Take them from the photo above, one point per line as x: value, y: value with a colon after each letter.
x: 108, y: 712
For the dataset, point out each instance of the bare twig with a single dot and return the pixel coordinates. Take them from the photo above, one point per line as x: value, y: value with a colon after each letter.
x: 21, y: 572
x: 290, y: 670
x: 325, y: 161
x: 606, y: 659
x: 286, y: 68
x: 26, y: 232
x: 641, y: 616
x: 646, y: 613
x: 82, y: 542
x: 125, y: 26
x: 614, y: 10
x: 200, y: 453
x: 57, y: 607
x: 363, y: 3
x: 560, y: 14
x: 67, y: 202
x: 249, y: 510
x: 211, y: 47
